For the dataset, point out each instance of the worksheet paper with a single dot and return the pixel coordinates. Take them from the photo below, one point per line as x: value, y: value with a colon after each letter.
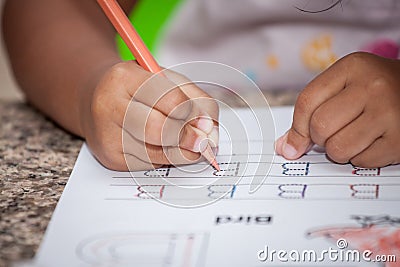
x: 303, y: 208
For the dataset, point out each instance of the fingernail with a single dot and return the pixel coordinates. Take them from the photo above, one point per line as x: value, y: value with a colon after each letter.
x: 205, y: 123
x: 214, y: 137
x: 289, y: 151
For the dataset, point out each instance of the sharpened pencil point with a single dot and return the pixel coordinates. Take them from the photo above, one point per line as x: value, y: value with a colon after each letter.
x: 214, y: 163
x: 210, y: 157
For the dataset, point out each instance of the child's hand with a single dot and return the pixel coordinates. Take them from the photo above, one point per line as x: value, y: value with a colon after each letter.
x: 353, y: 110
x: 162, y: 121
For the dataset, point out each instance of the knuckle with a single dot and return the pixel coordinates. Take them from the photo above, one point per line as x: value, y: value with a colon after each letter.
x: 378, y: 86
x: 181, y: 109
x: 356, y: 57
x: 115, y: 165
x: 175, y: 103
x: 303, y: 102
x: 176, y: 77
x: 119, y: 70
x: 153, y: 130
x: 112, y: 160
x: 126, y: 75
x: 355, y: 61
x: 177, y: 97
x: 318, y: 129
x: 337, y: 150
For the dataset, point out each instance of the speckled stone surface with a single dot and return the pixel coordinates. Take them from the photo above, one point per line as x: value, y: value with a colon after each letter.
x: 36, y: 159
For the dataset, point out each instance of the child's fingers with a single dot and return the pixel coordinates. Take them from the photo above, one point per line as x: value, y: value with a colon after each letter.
x: 199, y: 110
x: 200, y: 97
x: 193, y: 139
x: 335, y: 114
x: 135, y: 164
x: 163, y: 95
x: 156, y: 154
x: 318, y: 91
x: 203, y: 108
x: 353, y: 139
x: 151, y: 126
x: 154, y: 90
x: 202, y: 102
x: 376, y: 155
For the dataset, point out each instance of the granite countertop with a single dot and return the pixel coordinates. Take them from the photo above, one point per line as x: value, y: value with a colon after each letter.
x: 36, y: 159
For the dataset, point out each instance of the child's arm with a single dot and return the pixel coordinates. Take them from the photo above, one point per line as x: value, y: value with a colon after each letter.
x: 353, y: 110
x: 58, y: 48
x: 64, y: 58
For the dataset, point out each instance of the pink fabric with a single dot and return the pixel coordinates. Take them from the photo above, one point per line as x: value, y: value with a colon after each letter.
x: 384, y: 48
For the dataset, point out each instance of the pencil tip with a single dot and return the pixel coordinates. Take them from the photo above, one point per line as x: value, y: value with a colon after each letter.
x: 209, y: 155
x: 214, y: 163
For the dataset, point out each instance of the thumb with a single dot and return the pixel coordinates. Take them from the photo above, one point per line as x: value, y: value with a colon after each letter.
x: 297, y: 141
x: 293, y: 145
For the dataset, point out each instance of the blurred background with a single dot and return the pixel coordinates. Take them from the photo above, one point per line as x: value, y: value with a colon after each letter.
x: 8, y: 88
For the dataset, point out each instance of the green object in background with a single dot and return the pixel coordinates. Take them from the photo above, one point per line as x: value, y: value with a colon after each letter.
x: 148, y: 17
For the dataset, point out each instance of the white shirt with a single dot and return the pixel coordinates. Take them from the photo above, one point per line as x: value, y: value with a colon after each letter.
x: 274, y: 43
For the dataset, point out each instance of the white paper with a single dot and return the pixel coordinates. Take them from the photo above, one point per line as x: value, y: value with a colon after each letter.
x: 104, y: 219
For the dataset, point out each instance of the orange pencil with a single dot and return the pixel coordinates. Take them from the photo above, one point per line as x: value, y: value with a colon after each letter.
x: 138, y: 48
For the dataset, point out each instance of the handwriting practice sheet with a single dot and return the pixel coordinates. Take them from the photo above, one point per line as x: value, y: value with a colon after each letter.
x: 306, y: 212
